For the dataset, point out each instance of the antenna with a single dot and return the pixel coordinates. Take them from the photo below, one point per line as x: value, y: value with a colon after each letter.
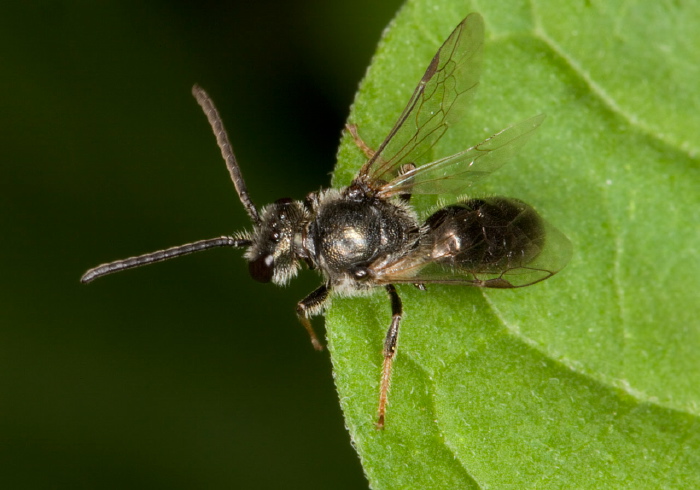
x: 161, y: 255
x: 234, y: 170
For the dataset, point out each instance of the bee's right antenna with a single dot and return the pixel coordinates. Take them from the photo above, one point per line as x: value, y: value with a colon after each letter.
x: 226, y: 151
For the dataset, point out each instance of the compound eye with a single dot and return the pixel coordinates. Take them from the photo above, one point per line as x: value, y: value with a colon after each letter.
x: 261, y: 269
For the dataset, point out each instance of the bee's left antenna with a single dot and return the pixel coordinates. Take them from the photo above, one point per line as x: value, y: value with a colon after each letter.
x: 226, y: 150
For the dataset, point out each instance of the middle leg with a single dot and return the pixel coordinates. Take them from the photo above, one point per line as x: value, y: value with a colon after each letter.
x: 405, y: 168
x: 359, y: 142
x: 390, y: 345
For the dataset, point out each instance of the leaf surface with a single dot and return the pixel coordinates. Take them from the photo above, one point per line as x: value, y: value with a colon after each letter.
x: 589, y: 379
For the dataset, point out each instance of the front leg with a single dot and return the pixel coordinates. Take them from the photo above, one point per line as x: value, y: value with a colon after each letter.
x: 390, y: 345
x: 310, y: 306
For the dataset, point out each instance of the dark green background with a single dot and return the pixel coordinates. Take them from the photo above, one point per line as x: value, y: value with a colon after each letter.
x: 186, y: 374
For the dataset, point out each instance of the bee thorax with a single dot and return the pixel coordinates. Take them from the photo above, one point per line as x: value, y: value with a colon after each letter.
x: 349, y: 235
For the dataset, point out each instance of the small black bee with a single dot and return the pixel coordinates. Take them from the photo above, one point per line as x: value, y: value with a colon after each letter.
x: 367, y: 235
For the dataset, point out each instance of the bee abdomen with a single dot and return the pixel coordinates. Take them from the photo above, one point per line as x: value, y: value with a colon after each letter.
x: 486, y: 235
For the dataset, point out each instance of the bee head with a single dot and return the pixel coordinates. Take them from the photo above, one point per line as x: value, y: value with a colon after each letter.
x: 271, y: 255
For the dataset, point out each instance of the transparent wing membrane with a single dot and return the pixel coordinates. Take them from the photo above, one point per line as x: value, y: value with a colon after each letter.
x: 440, y: 98
x: 454, y: 173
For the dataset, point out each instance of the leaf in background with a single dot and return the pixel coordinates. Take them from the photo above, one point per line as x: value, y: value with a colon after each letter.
x: 589, y: 379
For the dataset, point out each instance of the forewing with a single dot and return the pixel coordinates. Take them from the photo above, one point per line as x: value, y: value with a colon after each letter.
x: 422, y: 267
x: 440, y: 98
x: 454, y: 173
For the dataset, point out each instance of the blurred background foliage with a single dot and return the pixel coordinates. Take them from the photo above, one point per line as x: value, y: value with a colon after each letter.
x: 186, y: 374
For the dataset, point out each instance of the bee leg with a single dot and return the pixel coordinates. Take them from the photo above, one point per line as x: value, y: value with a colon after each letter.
x: 310, y: 306
x: 352, y: 129
x: 390, y: 345
x: 406, y: 167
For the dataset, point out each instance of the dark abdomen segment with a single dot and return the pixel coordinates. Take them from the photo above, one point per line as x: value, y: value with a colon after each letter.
x: 489, y: 235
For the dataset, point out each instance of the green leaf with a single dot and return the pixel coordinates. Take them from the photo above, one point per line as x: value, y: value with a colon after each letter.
x: 589, y: 379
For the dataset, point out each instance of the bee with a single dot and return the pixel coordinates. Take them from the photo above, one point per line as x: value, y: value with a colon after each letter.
x: 367, y: 235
